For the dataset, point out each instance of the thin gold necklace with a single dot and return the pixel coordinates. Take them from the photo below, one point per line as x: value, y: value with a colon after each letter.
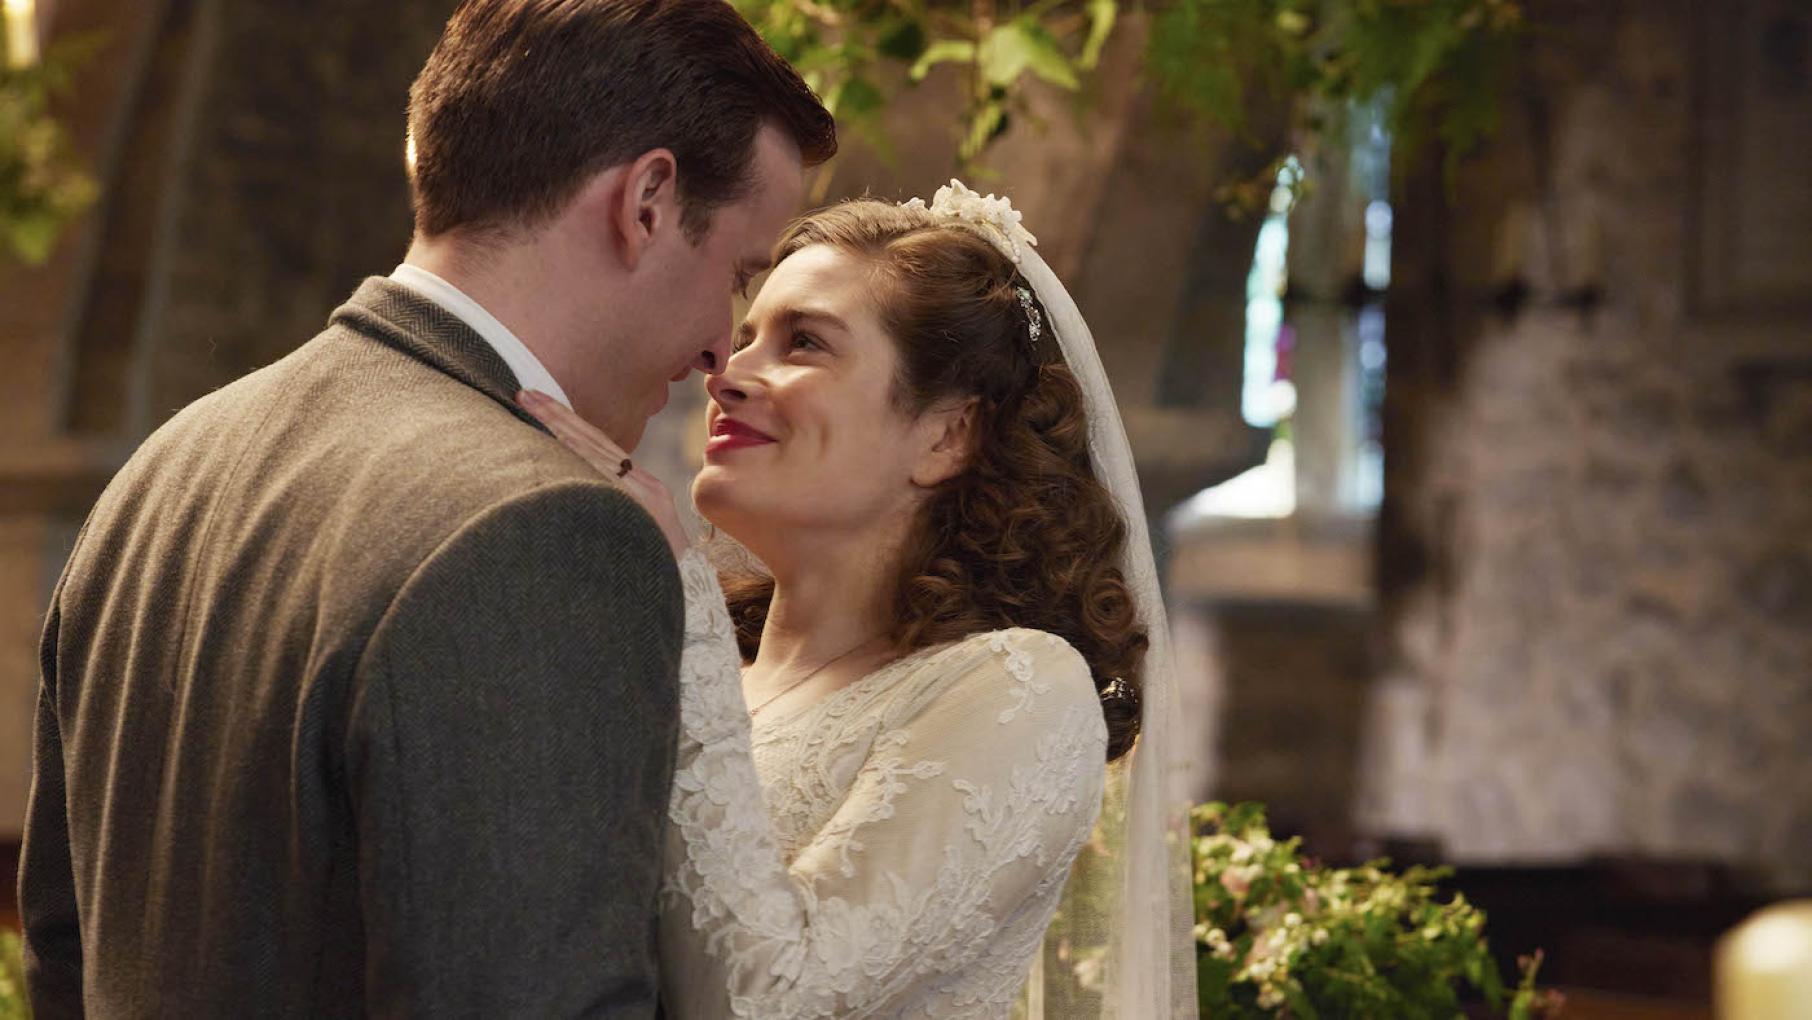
x: 828, y: 663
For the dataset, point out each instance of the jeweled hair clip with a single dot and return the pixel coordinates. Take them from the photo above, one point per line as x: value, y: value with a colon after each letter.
x: 1034, y: 317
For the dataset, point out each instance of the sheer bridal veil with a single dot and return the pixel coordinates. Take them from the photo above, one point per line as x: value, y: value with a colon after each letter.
x: 1121, y: 945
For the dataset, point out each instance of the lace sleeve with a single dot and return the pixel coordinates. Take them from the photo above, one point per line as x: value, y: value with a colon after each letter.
x: 955, y: 837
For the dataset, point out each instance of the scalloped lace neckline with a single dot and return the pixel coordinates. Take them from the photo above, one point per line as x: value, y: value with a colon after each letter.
x: 762, y: 728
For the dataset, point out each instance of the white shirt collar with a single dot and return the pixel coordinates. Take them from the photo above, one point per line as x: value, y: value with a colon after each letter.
x: 530, y: 373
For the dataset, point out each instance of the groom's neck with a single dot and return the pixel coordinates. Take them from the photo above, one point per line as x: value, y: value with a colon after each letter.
x: 554, y: 308
x: 505, y: 281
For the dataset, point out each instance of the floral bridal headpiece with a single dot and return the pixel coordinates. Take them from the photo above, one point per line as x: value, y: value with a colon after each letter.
x: 994, y: 218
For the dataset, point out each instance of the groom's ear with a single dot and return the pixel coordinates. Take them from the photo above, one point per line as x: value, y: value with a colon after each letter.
x: 647, y: 206
x: 948, y: 433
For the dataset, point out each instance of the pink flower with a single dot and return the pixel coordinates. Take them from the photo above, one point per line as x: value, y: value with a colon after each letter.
x: 1237, y: 880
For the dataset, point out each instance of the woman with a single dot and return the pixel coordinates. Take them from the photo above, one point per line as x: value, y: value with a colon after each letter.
x: 892, y: 748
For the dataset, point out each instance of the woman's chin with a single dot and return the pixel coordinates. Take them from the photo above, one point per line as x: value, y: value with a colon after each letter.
x: 714, y: 494
x: 712, y: 484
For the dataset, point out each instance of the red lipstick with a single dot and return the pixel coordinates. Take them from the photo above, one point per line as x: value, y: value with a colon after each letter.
x: 729, y: 434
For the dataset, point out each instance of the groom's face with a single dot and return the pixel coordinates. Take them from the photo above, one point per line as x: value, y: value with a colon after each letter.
x: 686, y: 322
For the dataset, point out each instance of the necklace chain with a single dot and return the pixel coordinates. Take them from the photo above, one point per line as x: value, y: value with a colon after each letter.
x: 828, y: 663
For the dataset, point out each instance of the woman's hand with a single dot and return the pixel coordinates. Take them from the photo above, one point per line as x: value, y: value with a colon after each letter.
x: 584, y: 439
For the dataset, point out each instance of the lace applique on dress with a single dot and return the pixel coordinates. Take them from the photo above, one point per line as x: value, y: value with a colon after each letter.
x: 1019, y: 666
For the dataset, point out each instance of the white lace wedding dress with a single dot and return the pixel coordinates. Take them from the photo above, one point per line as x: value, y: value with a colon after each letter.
x: 894, y: 850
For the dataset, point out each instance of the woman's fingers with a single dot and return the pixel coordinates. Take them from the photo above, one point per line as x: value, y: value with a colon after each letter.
x: 569, y: 427
x: 607, y: 458
x: 579, y: 435
x: 647, y: 488
x: 653, y: 496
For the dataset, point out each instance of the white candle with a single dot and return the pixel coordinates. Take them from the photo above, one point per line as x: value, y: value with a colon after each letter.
x: 21, y: 33
x: 1764, y: 965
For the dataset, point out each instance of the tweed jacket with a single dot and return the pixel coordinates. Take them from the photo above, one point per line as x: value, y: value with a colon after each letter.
x: 358, y: 697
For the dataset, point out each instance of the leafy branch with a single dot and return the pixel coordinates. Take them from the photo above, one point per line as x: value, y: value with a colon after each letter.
x: 1436, y: 63
x: 845, y: 49
x: 42, y: 187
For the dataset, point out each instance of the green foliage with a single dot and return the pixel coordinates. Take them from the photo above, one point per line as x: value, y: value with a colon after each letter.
x: 12, y: 979
x: 1204, y: 53
x: 1437, y: 63
x: 845, y: 47
x: 41, y: 188
x: 1279, y: 936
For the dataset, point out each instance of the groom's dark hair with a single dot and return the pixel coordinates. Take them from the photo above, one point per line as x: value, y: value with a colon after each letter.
x: 522, y: 101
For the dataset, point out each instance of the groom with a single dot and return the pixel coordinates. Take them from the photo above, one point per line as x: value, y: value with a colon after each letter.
x: 359, y: 690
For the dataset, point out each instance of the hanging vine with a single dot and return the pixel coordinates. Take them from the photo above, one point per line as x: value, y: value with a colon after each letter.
x: 1436, y: 63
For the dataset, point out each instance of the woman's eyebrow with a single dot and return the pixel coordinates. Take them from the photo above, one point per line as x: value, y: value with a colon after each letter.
x: 795, y: 316
x: 790, y: 318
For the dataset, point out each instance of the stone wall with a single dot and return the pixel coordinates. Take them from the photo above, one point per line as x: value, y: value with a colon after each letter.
x: 1597, y: 537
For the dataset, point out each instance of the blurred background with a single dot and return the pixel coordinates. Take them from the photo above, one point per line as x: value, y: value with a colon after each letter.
x: 1469, y: 370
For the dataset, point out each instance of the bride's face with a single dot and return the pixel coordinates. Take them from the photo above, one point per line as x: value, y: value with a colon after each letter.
x: 805, y: 438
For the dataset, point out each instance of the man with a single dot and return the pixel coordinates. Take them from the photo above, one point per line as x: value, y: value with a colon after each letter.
x: 359, y: 690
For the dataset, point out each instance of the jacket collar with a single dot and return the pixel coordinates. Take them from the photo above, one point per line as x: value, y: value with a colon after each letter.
x: 393, y: 314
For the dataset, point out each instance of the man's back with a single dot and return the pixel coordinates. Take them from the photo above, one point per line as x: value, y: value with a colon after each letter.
x: 362, y: 692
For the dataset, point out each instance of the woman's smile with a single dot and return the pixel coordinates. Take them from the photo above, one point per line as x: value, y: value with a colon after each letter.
x: 729, y: 434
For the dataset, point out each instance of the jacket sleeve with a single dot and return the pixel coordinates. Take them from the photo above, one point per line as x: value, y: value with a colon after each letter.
x: 509, y: 755
x: 47, y: 900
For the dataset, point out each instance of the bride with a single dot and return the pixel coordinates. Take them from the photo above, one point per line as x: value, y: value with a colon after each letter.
x: 894, y: 745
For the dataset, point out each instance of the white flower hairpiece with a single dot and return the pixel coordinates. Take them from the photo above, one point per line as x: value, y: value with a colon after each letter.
x: 996, y: 214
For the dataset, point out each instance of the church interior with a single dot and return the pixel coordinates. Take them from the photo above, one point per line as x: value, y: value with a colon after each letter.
x: 1483, y: 485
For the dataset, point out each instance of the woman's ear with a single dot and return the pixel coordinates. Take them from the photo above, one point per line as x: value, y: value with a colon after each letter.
x: 947, y: 436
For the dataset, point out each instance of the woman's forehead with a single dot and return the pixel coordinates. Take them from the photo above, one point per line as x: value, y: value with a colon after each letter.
x: 818, y: 280
x: 818, y: 266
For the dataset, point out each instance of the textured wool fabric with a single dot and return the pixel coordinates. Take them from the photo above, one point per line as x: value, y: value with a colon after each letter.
x: 359, y: 696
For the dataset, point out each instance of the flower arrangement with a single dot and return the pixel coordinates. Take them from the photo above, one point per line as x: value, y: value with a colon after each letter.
x: 1281, y: 936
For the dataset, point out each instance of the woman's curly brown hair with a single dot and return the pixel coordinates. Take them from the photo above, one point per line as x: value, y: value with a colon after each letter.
x: 1025, y: 536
